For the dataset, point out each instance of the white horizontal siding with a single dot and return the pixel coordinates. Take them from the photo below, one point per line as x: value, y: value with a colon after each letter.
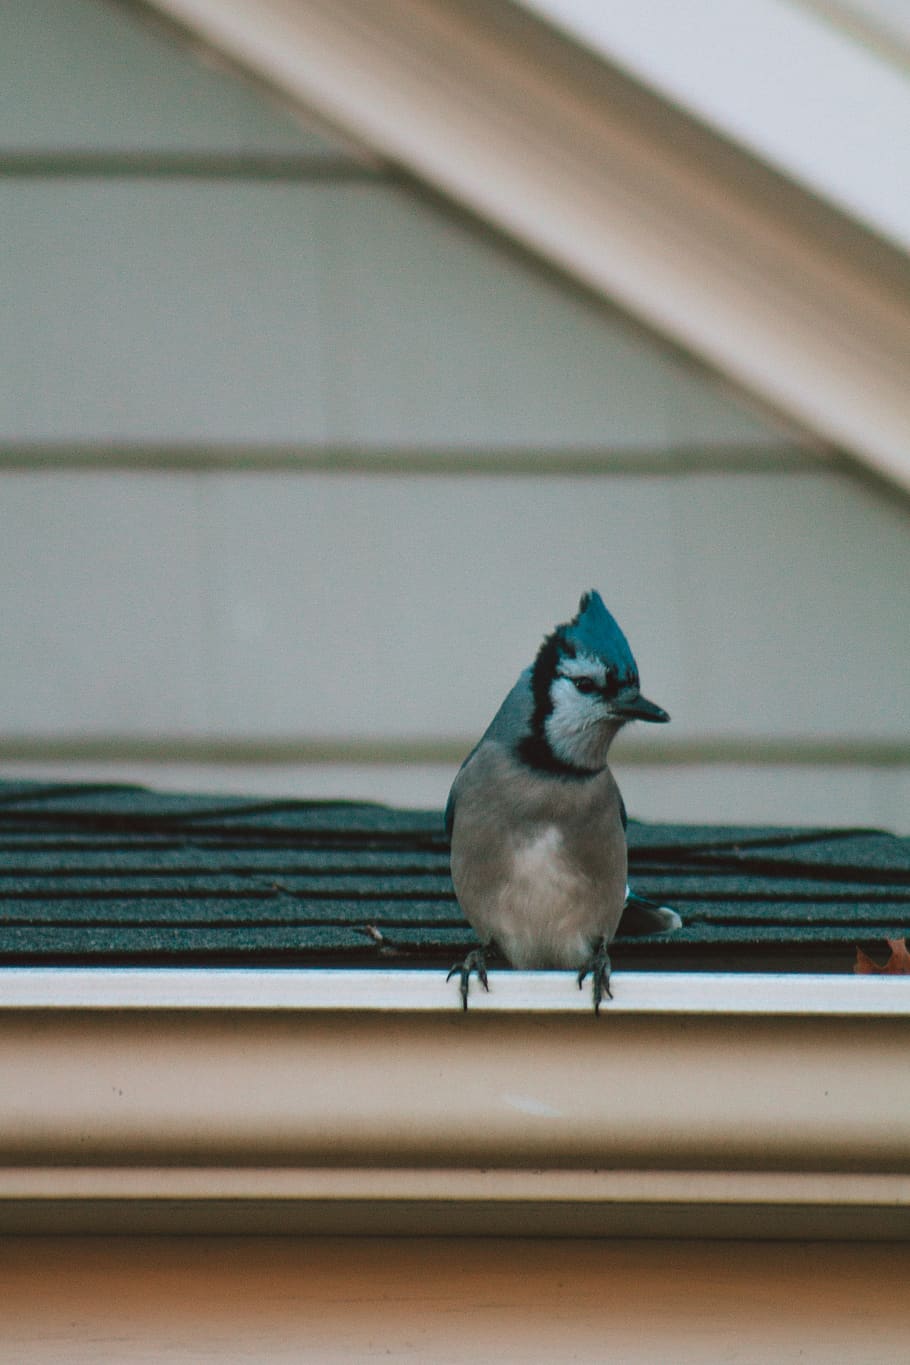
x: 175, y: 312
x: 310, y: 313
x: 101, y: 607
x: 438, y: 335
x: 381, y: 607
x: 91, y: 76
x: 793, y: 592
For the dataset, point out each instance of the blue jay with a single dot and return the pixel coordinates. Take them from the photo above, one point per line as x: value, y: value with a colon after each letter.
x: 535, y: 817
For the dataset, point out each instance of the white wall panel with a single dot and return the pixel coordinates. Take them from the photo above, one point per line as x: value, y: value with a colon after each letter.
x: 101, y: 624
x: 439, y: 336
x: 159, y: 311
x: 759, y: 606
x: 794, y: 593
x: 89, y: 76
x: 325, y: 607
x: 251, y: 313
x: 406, y: 606
x: 709, y: 415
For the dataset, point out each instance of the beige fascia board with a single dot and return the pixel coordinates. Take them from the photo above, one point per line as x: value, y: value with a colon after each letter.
x: 787, y: 308
x: 360, y: 1106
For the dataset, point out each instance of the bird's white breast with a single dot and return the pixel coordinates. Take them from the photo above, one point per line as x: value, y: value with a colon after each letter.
x: 547, y: 913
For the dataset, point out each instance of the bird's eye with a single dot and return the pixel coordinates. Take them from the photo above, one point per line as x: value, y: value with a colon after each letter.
x: 585, y: 685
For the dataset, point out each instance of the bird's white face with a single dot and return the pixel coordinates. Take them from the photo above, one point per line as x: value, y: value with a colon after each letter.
x: 580, y: 724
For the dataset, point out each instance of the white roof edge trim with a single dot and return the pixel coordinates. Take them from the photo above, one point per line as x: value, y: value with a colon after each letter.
x: 780, y: 80
x: 394, y: 992
x: 813, y: 332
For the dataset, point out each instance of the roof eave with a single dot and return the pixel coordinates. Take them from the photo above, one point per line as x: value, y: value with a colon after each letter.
x: 366, y: 1102
x: 472, y: 103
x: 801, y: 92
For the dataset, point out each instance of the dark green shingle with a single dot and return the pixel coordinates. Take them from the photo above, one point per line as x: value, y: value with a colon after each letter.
x: 93, y: 875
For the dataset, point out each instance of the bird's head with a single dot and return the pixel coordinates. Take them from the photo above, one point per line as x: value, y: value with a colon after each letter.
x: 585, y: 686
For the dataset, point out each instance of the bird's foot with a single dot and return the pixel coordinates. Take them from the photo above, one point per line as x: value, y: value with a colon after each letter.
x: 473, y: 963
x: 599, y: 970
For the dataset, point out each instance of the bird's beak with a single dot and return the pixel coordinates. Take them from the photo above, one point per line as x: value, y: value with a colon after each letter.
x: 637, y: 707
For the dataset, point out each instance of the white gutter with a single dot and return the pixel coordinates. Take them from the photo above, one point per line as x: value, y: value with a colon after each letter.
x: 407, y: 991
x: 367, y: 1101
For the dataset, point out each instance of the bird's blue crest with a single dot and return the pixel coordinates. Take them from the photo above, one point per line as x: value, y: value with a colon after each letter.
x: 595, y: 631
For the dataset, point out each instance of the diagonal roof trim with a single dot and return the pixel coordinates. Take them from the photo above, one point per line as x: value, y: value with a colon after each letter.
x: 781, y: 300
x: 825, y: 110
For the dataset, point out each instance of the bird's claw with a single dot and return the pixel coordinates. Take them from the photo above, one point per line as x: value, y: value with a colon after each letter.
x: 599, y: 969
x: 474, y: 962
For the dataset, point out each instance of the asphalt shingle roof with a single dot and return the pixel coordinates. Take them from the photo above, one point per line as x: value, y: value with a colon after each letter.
x: 102, y: 874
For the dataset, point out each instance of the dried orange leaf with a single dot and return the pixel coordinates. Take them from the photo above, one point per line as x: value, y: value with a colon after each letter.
x: 898, y: 963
